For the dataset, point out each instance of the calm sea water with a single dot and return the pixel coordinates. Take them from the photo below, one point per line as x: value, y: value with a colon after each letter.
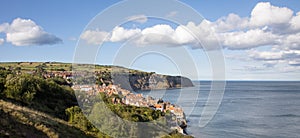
x: 248, y: 109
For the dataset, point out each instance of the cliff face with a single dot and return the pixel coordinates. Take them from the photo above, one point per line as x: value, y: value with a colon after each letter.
x: 150, y: 81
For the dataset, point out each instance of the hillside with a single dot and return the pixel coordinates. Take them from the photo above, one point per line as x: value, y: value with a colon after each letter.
x: 20, y: 121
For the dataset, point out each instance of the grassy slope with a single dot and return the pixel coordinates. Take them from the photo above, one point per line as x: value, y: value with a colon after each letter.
x: 18, y: 121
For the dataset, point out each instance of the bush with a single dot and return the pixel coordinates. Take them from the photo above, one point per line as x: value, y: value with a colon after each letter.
x: 44, y: 95
x: 22, y: 88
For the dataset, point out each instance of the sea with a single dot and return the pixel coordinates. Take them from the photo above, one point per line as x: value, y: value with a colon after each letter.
x: 251, y: 109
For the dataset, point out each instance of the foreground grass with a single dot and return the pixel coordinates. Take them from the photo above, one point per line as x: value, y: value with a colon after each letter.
x: 18, y: 121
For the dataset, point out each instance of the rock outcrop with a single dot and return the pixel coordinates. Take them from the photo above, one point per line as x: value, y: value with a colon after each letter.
x: 150, y: 81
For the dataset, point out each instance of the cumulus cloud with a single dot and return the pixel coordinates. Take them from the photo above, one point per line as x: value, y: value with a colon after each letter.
x: 24, y: 32
x: 267, y: 25
x: 295, y: 23
x: 94, y: 37
x: 231, y: 22
x: 161, y: 34
x: 122, y: 34
x: 249, y: 39
x: 276, y: 29
x: 266, y: 14
x: 138, y: 18
x: 291, y: 41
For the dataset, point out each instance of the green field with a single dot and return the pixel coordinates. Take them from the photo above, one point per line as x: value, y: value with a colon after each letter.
x: 58, y: 66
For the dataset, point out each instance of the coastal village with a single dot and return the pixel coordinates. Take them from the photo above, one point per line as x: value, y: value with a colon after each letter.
x: 128, y: 98
x: 138, y: 100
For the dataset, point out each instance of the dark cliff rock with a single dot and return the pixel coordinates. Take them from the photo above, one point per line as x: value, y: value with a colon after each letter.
x: 150, y: 81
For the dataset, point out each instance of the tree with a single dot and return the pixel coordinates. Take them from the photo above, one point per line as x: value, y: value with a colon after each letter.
x: 40, y: 70
x: 21, y: 88
x: 77, y: 118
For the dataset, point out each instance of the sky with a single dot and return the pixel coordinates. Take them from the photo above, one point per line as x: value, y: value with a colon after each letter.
x: 242, y: 40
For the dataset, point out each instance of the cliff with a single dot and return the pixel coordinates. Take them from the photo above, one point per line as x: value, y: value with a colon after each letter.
x: 150, y: 81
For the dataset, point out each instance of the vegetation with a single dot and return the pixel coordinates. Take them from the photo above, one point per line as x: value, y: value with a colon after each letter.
x: 20, y: 121
x: 34, y: 106
x: 132, y: 113
x: 41, y: 94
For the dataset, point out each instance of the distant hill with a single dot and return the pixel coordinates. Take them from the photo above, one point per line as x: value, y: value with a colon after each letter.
x: 127, y: 78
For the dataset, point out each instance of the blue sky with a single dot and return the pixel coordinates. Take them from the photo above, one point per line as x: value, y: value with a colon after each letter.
x: 56, y: 27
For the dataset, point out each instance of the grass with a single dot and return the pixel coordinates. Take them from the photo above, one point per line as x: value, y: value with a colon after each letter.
x: 18, y: 121
x: 54, y: 66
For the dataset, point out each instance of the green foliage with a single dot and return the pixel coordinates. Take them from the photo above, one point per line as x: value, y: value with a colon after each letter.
x: 59, y: 80
x: 40, y: 69
x: 3, y: 75
x: 113, y: 118
x: 77, y: 118
x: 41, y: 94
x: 22, y: 88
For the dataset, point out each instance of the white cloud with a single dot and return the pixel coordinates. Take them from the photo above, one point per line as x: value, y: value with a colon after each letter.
x: 183, y: 35
x: 276, y: 29
x: 271, y: 58
x: 234, y: 32
x: 4, y: 27
x: 266, y: 14
x: 1, y: 41
x: 249, y: 39
x: 138, y: 18
x: 94, y: 37
x: 163, y: 34
x: 159, y: 34
x: 161, y: 29
x: 23, y: 32
x: 122, y: 34
x: 231, y: 22
x: 266, y: 55
x: 291, y: 41
x: 205, y: 34
x: 295, y: 23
